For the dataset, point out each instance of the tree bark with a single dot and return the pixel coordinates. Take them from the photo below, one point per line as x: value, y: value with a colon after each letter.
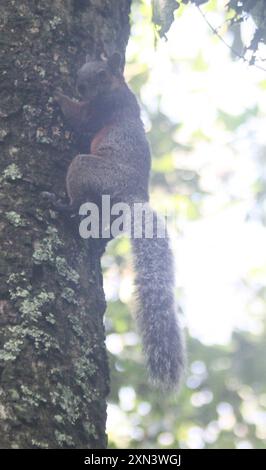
x: 53, y: 364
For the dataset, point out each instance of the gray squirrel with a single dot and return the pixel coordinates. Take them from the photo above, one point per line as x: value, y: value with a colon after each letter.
x: 119, y: 165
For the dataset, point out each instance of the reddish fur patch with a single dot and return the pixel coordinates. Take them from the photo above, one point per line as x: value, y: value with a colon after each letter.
x: 98, y: 138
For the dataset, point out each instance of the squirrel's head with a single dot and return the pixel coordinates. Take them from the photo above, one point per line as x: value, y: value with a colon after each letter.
x: 99, y: 77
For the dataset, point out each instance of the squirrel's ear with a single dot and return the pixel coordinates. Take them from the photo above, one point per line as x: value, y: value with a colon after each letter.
x: 114, y: 61
x: 103, y: 57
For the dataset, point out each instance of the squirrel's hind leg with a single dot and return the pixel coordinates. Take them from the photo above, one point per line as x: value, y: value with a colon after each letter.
x: 90, y: 176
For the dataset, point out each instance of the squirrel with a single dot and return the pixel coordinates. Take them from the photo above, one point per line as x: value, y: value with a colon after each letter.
x: 119, y: 165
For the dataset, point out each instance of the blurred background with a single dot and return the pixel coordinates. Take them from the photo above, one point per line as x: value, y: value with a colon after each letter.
x: 205, y: 115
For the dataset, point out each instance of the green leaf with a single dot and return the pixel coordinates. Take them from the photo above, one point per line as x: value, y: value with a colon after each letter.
x: 163, y: 14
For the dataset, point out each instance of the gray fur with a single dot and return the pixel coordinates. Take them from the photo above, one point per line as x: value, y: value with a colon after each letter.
x: 119, y: 165
x: 158, y: 326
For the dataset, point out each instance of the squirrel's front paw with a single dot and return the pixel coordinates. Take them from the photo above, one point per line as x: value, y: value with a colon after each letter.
x: 48, y: 197
x: 55, y: 203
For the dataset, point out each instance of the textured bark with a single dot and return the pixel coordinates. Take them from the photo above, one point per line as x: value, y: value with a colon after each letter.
x: 53, y: 365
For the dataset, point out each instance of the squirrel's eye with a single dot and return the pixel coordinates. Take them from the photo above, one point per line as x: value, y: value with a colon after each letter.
x: 102, y: 76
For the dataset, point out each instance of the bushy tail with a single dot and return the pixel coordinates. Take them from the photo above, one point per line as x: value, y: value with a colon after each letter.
x: 156, y: 309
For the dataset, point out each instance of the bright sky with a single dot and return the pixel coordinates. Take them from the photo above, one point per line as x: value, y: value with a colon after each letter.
x: 214, y: 257
x: 217, y: 253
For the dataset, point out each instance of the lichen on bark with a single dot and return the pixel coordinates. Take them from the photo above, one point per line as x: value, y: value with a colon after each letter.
x: 53, y: 365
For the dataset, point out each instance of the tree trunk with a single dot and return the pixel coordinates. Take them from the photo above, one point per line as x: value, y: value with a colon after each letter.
x: 53, y: 365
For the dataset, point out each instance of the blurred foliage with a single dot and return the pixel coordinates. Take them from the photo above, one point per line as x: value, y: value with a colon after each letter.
x: 237, y: 12
x: 163, y: 13
x: 257, y: 10
x: 222, y: 403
